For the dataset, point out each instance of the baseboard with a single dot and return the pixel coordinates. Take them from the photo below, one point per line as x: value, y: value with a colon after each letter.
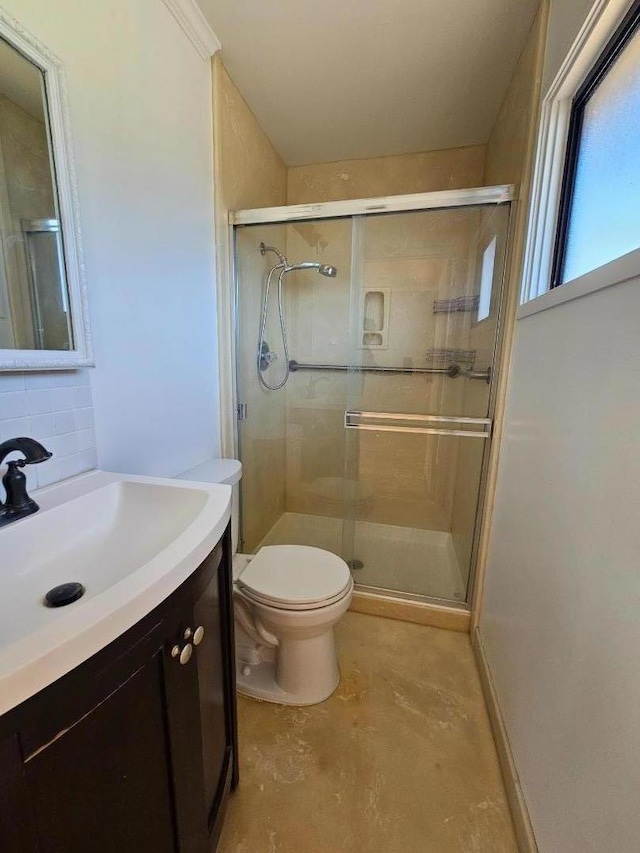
x: 519, y: 812
x: 422, y: 613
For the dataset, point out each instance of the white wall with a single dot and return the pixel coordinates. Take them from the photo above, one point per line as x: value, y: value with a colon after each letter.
x: 140, y: 108
x: 561, y: 623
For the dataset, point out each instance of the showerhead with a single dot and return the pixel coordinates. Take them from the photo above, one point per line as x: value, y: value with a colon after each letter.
x: 323, y: 269
x: 328, y: 270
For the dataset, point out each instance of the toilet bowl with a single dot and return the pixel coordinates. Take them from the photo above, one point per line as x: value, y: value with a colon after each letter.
x: 287, y: 598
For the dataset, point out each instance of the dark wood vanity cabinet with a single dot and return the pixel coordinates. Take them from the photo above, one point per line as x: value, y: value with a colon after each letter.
x: 135, y: 750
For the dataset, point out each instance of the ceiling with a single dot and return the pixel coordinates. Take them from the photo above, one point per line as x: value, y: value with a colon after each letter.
x: 345, y: 79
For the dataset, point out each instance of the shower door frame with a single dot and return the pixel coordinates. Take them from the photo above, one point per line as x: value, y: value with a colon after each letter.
x: 412, y: 202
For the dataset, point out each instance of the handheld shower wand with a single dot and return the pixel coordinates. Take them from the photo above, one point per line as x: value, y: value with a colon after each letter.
x: 264, y: 358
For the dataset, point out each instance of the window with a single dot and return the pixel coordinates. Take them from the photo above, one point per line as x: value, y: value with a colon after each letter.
x: 486, y: 280
x: 599, y: 212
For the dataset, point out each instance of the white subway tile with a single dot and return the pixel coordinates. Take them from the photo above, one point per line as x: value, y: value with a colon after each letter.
x: 81, y: 377
x: 36, y: 381
x: 13, y: 405
x: 63, y: 445
x: 42, y: 426
x: 86, y: 439
x: 86, y: 461
x: 60, y: 379
x: 62, y: 399
x: 83, y: 418
x: 55, y: 408
x: 14, y: 428
x: 82, y: 397
x: 51, y: 471
x: 11, y: 382
x: 64, y: 422
x: 39, y: 402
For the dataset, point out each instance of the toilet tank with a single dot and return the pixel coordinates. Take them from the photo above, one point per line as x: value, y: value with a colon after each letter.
x: 220, y: 471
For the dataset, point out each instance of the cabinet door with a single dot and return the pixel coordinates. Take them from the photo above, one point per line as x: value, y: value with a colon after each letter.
x: 201, y: 703
x: 104, y: 784
x: 210, y: 659
x: 185, y: 739
x: 17, y: 833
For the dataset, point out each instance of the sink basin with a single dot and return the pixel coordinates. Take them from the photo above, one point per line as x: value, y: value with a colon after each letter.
x: 130, y: 541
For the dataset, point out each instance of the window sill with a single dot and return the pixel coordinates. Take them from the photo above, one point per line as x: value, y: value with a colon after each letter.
x: 615, y: 272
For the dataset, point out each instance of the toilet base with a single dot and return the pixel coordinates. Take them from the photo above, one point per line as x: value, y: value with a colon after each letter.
x: 259, y: 682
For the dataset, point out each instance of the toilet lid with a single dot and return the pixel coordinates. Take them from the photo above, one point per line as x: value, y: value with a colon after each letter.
x: 295, y: 575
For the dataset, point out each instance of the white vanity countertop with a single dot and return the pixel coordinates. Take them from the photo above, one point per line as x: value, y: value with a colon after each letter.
x: 131, y: 541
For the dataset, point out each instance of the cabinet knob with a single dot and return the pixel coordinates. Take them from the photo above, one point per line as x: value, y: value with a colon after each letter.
x: 175, y: 651
x: 185, y: 654
x: 187, y: 633
x: 198, y: 635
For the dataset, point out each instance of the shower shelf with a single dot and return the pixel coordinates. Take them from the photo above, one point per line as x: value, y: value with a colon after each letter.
x: 457, y: 305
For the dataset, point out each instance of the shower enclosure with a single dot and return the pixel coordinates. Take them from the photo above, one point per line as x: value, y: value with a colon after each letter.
x: 374, y: 443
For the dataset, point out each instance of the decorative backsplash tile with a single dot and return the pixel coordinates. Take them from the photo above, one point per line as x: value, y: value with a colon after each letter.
x: 56, y: 409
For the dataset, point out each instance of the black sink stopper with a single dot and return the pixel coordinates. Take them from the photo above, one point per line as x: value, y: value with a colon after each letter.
x: 63, y: 594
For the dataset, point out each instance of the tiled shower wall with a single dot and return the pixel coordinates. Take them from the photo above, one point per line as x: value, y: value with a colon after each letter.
x: 56, y: 409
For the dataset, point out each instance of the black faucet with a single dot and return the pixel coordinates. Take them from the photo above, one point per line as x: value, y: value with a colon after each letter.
x: 18, y: 503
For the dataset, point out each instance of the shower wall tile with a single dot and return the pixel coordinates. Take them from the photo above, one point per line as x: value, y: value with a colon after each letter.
x: 407, y: 481
x: 427, y: 171
x: 56, y: 409
x: 504, y: 164
x: 249, y: 173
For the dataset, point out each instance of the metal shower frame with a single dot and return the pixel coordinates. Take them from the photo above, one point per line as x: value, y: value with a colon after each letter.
x: 413, y: 202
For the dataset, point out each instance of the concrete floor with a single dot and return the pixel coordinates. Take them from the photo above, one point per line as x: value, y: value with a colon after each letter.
x: 399, y: 760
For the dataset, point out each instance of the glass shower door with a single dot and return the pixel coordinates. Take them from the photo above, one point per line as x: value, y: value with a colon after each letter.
x: 292, y: 439
x: 426, y: 295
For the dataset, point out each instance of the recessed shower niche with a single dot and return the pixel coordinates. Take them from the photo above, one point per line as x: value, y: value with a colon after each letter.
x: 374, y: 444
x: 375, y: 317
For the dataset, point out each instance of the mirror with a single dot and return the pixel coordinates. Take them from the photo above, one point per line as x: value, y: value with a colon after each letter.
x: 43, y: 311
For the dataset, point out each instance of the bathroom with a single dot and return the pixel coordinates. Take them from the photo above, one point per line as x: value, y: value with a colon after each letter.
x: 454, y: 432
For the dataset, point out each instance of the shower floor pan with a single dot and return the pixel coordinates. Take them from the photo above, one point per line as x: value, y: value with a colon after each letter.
x: 399, y: 559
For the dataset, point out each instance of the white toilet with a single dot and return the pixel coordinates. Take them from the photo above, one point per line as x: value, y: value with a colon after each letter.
x: 287, y: 600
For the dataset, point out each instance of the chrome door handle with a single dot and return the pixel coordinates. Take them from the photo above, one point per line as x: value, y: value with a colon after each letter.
x: 484, y: 375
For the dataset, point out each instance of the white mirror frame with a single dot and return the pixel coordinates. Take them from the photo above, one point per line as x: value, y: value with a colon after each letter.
x: 67, y: 190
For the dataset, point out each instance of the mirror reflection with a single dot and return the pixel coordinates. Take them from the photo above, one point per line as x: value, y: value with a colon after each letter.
x: 34, y: 301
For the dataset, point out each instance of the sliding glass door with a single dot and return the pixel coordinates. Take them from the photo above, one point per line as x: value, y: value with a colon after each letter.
x: 371, y: 443
x: 425, y: 312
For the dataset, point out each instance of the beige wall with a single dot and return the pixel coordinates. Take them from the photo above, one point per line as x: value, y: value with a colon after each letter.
x: 249, y: 173
x: 507, y: 146
x: 427, y: 171
x: 505, y: 159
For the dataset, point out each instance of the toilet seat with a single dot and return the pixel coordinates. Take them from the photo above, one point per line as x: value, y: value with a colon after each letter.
x: 295, y: 577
